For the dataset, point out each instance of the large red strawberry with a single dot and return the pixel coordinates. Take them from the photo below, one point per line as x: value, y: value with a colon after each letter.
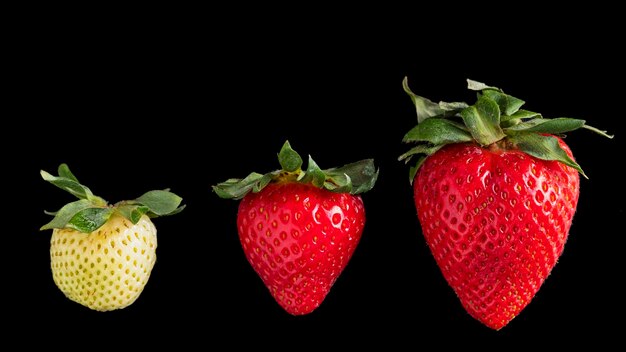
x: 299, y: 228
x: 495, y: 190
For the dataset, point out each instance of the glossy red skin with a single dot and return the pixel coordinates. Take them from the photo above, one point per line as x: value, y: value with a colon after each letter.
x: 299, y: 238
x: 496, y: 223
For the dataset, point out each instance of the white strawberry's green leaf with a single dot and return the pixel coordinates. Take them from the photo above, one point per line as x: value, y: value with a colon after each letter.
x: 160, y: 202
x: 521, y: 114
x: 479, y: 86
x: 72, y: 186
x: 64, y: 171
x: 90, y: 219
x: 483, y: 121
x: 494, y: 120
x: 353, y: 178
x: 133, y: 212
x: 66, y: 213
x: 91, y: 212
x: 80, y: 215
x: 452, y: 107
x: 545, y: 148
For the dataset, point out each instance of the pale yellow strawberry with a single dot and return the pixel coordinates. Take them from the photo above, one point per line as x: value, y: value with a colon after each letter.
x: 108, y: 268
x: 102, y: 255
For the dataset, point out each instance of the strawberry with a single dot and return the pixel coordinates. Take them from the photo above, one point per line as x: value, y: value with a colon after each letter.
x: 495, y: 189
x: 299, y: 229
x: 102, y: 255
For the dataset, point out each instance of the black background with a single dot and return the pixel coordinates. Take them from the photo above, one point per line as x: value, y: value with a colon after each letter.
x: 187, y: 98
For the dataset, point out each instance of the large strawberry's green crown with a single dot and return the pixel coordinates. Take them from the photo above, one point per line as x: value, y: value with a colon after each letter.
x: 90, y: 212
x: 494, y: 120
x: 354, y: 178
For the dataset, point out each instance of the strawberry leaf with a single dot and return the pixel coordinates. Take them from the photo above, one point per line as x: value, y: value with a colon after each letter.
x: 475, y: 85
x: 453, y: 107
x: 91, y: 212
x: 551, y: 126
x: 66, y: 213
x: 483, y: 121
x: 361, y: 175
x: 414, y: 168
x: 520, y: 114
x: 545, y: 148
x: 89, y: 219
x: 420, y: 149
x: 64, y: 171
x: 517, y: 117
x: 313, y: 174
x: 160, y: 202
x: 600, y: 132
x: 133, y: 212
x: 340, y: 183
x: 261, y: 183
x: 496, y: 117
x: 425, y: 108
x: 353, y: 178
x: 508, y: 105
x: 289, y: 159
x: 237, y: 188
x: 69, y: 185
x: 438, y: 131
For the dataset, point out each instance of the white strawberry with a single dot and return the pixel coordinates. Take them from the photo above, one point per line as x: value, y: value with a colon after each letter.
x: 102, y: 255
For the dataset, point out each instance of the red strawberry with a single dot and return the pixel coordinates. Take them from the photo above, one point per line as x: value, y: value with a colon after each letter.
x: 299, y: 229
x: 495, y: 195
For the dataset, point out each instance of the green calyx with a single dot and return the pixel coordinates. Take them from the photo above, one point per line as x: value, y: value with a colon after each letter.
x: 353, y: 178
x: 496, y: 120
x: 90, y: 212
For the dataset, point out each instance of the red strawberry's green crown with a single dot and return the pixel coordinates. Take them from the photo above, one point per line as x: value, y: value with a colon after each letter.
x: 354, y: 178
x: 90, y: 212
x: 494, y: 120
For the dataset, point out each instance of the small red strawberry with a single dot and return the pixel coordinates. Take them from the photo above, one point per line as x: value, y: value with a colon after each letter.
x: 495, y: 194
x: 299, y: 228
